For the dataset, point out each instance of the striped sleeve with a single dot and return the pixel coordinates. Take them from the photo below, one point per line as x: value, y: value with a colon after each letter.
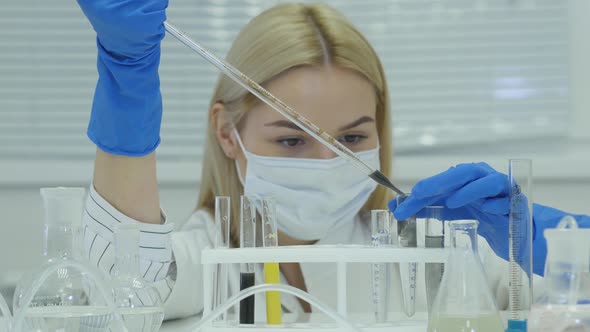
x: 155, y: 250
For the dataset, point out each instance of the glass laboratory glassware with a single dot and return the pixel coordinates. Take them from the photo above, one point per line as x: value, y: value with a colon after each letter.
x: 520, y: 242
x: 137, y: 300
x: 272, y: 274
x: 464, y: 302
x: 434, y: 238
x: 564, y: 305
x: 69, y: 296
x: 381, y: 234
x: 408, y: 239
x: 222, y: 221
x: 222, y: 226
x: 222, y: 240
x: 6, y: 316
x: 247, y: 240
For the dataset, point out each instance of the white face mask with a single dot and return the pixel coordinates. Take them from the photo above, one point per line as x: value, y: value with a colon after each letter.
x: 313, y: 195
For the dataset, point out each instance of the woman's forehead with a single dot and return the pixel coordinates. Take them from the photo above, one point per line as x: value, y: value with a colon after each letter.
x: 330, y: 97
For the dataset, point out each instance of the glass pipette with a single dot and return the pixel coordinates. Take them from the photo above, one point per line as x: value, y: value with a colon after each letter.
x: 284, y: 109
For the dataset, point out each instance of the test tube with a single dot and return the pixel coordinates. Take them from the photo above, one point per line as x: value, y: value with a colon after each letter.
x: 247, y: 240
x: 271, y: 269
x: 222, y: 223
x: 380, y: 237
x: 408, y: 239
x: 520, y: 243
x: 434, y: 238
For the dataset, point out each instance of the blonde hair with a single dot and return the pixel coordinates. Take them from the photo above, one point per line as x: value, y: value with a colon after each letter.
x: 281, y: 38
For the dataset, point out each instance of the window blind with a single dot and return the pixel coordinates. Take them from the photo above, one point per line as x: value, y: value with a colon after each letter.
x: 459, y: 71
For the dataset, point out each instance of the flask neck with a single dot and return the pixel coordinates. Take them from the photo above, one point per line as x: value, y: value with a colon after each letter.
x: 464, y: 234
x: 59, y: 241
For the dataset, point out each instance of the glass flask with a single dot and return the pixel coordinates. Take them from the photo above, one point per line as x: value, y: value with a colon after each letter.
x: 137, y: 300
x: 564, y: 304
x: 5, y: 315
x: 464, y: 302
x: 65, y: 293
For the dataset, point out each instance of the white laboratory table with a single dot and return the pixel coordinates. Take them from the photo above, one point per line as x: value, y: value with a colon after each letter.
x: 183, y: 325
x: 179, y: 325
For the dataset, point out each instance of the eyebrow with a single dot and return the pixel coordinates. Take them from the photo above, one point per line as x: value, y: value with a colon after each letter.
x: 291, y: 125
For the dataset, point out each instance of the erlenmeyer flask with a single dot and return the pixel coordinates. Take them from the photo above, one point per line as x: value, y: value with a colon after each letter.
x: 68, y: 297
x: 138, y: 301
x: 464, y: 302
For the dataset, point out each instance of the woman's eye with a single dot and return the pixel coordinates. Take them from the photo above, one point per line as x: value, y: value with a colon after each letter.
x: 290, y: 142
x: 352, y: 139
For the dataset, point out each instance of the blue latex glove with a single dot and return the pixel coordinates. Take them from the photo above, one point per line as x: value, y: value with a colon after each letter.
x: 127, y: 108
x: 477, y: 191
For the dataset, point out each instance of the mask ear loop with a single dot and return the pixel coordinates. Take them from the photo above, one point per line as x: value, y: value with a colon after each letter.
x: 239, y: 140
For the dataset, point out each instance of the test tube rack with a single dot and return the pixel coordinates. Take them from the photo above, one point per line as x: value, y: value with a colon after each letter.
x: 341, y: 255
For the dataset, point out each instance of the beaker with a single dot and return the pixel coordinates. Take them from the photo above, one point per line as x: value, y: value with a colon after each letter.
x: 67, y: 297
x: 564, y: 305
x: 464, y: 302
x: 434, y: 238
x: 137, y: 300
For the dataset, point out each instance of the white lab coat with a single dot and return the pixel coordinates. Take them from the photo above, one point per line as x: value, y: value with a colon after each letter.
x: 172, y: 260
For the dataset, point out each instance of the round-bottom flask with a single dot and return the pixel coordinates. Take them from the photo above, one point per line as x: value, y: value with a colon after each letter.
x: 138, y: 300
x: 64, y: 294
x: 5, y: 315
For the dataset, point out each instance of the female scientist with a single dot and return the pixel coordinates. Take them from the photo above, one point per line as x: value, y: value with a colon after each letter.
x: 312, y: 58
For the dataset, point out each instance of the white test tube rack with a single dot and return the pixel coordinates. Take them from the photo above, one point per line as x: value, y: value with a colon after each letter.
x: 341, y: 255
